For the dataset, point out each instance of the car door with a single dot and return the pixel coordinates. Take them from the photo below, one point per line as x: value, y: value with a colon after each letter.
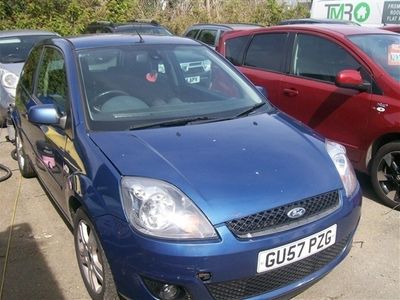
x: 24, y: 100
x: 49, y: 141
x: 263, y: 62
x: 309, y: 92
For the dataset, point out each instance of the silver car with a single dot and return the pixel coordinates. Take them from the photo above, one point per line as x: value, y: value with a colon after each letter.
x: 15, y: 46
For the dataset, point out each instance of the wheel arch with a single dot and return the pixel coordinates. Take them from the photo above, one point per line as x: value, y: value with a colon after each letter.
x: 73, y: 204
x: 377, y: 144
x: 80, y: 193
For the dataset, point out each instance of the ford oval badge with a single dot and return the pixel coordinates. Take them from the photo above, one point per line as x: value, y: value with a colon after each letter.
x: 296, y: 212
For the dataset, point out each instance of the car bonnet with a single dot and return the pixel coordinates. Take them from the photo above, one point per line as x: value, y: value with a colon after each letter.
x: 231, y: 168
x: 14, y: 68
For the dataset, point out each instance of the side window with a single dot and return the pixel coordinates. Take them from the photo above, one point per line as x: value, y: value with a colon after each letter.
x: 319, y: 58
x: 266, y: 51
x: 208, y: 36
x: 28, y: 72
x: 52, y: 85
x: 234, y: 49
x: 192, y: 33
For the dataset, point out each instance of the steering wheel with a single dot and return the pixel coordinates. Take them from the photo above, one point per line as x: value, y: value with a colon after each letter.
x: 103, y: 97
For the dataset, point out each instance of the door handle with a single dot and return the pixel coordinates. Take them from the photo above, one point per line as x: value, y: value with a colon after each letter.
x: 290, y: 92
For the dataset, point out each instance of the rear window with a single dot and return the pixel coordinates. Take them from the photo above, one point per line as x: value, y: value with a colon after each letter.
x: 234, y: 49
x: 192, y: 33
x: 208, y: 36
x: 16, y: 49
x: 266, y: 51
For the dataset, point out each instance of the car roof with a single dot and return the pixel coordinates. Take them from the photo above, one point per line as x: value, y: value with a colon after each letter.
x: 316, y: 21
x: 226, y: 25
x: 24, y: 32
x: 139, y: 22
x: 136, y: 24
x: 394, y: 28
x: 104, y: 40
x: 340, y: 29
x: 333, y: 29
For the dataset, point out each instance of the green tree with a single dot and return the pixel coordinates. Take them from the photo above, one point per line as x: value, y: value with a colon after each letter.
x: 72, y: 16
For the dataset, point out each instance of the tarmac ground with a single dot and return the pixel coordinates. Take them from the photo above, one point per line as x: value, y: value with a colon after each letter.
x: 37, y: 257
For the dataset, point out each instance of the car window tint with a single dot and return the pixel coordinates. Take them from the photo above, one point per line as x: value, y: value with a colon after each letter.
x: 266, y: 51
x: 29, y: 69
x: 208, y: 36
x: 234, y: 49
x: 52, y: 80
x: 319, y: 58
x: 192, y: 33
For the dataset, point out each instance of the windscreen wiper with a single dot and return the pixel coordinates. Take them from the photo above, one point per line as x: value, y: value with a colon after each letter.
x: 250, y: 110
x: 172, y: 122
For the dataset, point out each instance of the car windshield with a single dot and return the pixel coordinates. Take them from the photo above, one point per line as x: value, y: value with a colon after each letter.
x: 383, y: 49
x: 16, y: 49
x: 144, y: 29
x: 129, y: 87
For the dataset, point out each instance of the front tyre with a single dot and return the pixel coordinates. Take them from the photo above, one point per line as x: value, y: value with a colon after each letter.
x: 385, y: 174
x: 93, y: 264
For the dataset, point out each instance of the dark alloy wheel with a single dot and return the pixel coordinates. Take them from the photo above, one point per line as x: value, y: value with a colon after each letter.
x: 92, y: 261
x: 385, y: 174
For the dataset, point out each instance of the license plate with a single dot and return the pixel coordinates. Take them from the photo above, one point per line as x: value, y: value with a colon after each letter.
x: 194, y: 79
x: 295, y: 251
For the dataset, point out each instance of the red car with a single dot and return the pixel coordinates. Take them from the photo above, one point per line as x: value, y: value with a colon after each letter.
x: 394, y: 28
x: 343, y: 81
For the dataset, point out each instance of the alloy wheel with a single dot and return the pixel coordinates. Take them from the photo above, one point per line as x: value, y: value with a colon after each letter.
x: 89, y: 257
x: 388, y: 175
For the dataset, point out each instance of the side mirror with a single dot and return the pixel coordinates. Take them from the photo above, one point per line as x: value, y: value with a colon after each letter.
x: 351, y: 79
x: 46, y: 114
x: 262, y: 90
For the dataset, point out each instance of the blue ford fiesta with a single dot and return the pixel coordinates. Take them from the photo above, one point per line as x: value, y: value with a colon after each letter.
x: 179, y: 178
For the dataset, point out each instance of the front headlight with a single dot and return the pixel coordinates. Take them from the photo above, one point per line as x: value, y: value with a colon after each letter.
x: 157, y: 208
x: 338, y: 155
x: 9, y: 81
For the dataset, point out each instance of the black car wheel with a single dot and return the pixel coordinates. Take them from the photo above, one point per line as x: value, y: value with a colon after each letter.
x: 93, y: 264
x: 385, y: 174
x: 24, y: 163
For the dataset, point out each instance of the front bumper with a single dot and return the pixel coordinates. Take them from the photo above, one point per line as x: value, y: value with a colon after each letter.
x: 231, y: 263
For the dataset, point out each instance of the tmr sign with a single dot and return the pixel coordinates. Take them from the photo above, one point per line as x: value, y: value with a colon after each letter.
x: 349, y: 11
x: 391, y: 12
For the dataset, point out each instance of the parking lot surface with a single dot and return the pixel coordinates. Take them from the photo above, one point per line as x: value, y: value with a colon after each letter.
x: 37, y: 258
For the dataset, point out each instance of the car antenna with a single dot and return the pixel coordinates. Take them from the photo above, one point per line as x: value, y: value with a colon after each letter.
x: 141, y: 38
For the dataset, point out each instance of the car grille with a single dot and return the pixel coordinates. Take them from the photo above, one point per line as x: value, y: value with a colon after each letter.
x: 276, y: 219
x: 274, y: 279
